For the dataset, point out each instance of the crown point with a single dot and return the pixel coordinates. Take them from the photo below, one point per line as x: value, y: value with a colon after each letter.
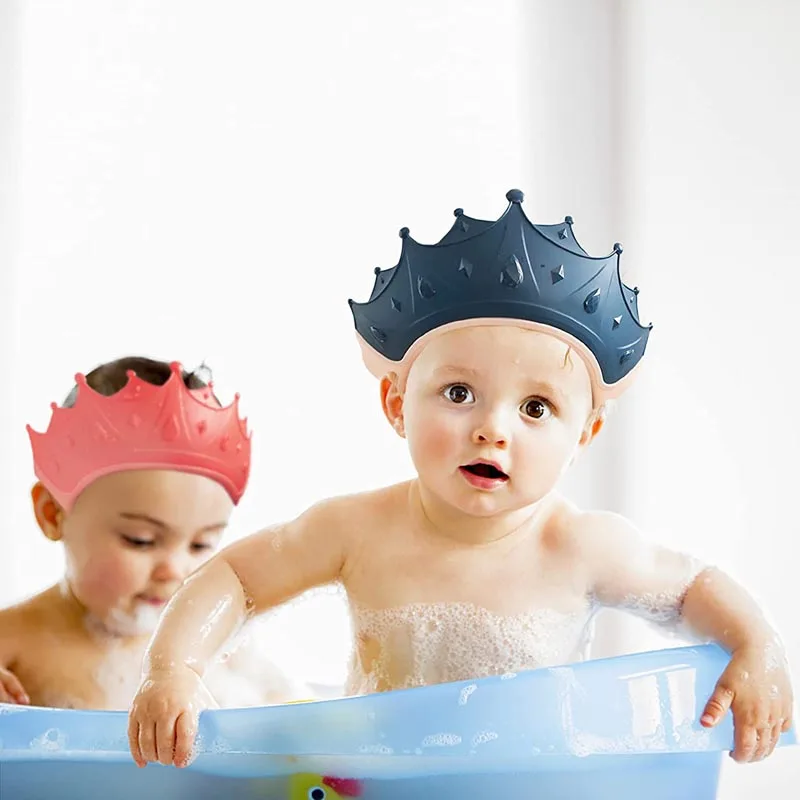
x: 568, y: 220
x: 80, y: 379
x: 404, y: 233
x: 458, y: 212
x: 53, y: 406
x: 129, y: 373
x: 515, y: 196
x: 636, y: 290
x: 617, y: 247
x: 377, y: 270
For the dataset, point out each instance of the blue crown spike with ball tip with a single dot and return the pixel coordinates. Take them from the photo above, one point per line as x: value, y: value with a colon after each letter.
x: 508, y: 269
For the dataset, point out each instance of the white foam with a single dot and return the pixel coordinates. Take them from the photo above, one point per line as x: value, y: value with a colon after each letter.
x: 51, y: 740
x: 441, y: 740
x: 483, y: 737
x: 376, y: 750
x: 427, y: 643
x: 465, y: 694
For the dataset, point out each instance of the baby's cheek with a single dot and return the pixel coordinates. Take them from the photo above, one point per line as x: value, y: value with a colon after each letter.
x: 437, y: 442
x: 109, y: 577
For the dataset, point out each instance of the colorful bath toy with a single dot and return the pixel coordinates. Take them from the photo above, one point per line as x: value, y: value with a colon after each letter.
x: 622, y: 728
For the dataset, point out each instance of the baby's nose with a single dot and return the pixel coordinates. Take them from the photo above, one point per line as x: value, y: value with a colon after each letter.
x: 493, y: 430
x: 173, y: 568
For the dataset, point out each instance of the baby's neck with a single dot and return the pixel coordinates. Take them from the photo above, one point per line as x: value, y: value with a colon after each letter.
x: 439, y: 519
x: 81, y: 621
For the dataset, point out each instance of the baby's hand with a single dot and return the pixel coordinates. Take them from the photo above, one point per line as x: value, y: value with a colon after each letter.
x: 163, y: 719
x: 11, y: 690
x: 757, y: 688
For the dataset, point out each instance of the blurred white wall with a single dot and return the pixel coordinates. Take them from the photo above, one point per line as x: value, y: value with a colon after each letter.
x: 194, y: 183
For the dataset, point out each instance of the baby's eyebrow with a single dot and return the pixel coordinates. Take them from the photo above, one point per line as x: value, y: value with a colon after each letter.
x: 452, y: 369
x: 161, y: 525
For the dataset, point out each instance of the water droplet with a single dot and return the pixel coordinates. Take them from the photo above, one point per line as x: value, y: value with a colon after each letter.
x: 465, y: 268
x: 425, y: 289
x: 557, y: 274
x: 377, y: 334
x: 626, y: 356
x: 102, y: 433
x: 202, y: 426
x: 511, y: 275
x: 592, y: 302
x: 224, y: 443
x: 396, y: 304
x: 170, y: 430
x: 135, y: 420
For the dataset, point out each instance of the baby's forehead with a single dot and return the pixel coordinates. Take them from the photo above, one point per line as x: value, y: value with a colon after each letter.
x: 504, y: 354
x: 496, y: 345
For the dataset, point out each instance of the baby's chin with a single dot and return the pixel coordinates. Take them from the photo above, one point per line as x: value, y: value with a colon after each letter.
x: 141, y: 620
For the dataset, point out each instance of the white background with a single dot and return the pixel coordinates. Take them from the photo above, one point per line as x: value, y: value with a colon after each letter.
x: 196, y: 180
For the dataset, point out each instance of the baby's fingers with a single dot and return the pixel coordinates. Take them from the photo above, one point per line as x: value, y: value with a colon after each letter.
x: 185, y: 733
x: 717, y: 706
x: 147, y: 740
x: 165, y: 740
x: 11, y: 690
x: 745, y: 742
x: 133, y: 742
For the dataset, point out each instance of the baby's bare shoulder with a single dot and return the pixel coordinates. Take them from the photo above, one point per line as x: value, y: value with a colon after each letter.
x: 363, y: 509
x: 19, y: 623
x: 590, y: 534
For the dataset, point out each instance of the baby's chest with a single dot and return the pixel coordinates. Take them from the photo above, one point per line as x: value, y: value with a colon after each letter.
x: 82, y: 678
x: 505, y: 583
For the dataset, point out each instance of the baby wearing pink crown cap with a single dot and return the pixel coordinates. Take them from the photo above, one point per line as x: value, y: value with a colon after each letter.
x: 139, y: 472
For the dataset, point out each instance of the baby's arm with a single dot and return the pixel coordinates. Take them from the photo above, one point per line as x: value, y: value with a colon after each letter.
x: 248, y: 577
x: 632, y: 573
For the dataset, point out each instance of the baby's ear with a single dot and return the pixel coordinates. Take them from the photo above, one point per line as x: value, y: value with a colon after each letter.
x: 48, y: 512
x: 593, y: 425
x: 392, y: 402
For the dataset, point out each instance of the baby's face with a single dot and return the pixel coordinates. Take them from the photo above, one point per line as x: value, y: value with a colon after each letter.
x: 133, y: 537
x: 495, y: 415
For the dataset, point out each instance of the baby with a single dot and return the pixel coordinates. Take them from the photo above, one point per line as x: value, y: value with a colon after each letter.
x: 138, y: 476
x: 497, y: 351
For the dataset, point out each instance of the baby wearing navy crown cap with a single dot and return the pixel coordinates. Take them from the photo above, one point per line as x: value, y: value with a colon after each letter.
x: 497, y: 351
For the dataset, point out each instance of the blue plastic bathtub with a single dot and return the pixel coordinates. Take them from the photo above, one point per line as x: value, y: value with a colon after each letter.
x: 612, y: 729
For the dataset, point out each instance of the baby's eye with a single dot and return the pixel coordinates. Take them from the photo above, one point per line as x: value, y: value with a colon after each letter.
x: 458, y: 393
x: 137, y: 542
x: 198, y: 547
x: 536, y: 408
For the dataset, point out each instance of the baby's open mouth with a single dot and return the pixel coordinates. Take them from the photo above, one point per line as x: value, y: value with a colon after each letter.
x: 482, y: 469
